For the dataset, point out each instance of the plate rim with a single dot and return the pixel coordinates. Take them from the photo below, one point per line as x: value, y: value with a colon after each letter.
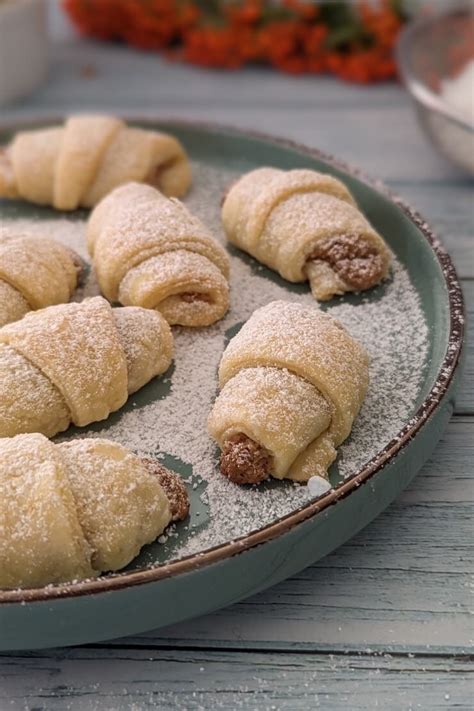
x: 434, y: 398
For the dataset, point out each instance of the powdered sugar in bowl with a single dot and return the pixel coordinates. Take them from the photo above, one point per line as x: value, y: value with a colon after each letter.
x: 436, y: 63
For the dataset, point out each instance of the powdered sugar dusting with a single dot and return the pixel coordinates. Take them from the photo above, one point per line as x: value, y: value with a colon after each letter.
x: 388, y: 322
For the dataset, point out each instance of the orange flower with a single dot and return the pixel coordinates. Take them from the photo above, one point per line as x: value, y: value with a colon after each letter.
x: 305, y: 10
x: 246, y: 12
x: 290, y: 35
x: 292, y: 64
x: 313, y: 38
x: 212, y: 48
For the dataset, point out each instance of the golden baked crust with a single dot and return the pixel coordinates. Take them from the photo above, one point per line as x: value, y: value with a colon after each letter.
x: 292, y: 382
x: 35, y: 272
x: 77, y: 363
x: 150, y: 251
x: 77, y: 164
x: 74, y: 510
x: 306, y: 226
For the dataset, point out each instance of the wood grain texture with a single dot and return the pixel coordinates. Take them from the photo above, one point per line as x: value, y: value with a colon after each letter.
x: 323, y: 638
x: 115, y: 680
x: 402, y: 584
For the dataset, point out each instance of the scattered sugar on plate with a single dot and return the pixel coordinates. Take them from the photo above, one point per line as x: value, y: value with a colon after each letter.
x: 317, y: 486
x: 389, y: 323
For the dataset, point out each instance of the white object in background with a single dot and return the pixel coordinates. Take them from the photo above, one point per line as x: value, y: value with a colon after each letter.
x: 459, y: 92
x: 23, y: 48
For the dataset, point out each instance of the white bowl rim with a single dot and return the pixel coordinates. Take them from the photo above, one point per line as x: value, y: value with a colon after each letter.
x: 428, y: 98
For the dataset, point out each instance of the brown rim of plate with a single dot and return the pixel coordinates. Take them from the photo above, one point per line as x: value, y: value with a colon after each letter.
x: 118, y: 581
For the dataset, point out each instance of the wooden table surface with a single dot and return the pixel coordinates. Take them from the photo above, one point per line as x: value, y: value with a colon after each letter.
x: 384, y: 622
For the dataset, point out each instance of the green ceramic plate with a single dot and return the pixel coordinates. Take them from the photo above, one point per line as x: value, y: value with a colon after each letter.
x: 199, y: 570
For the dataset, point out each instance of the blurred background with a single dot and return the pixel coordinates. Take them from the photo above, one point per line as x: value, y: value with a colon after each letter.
x: 275, y: 65
x: 385, y: 85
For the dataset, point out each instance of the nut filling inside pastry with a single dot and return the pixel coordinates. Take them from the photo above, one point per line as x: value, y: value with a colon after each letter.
x: 355, y: 261
x: 173, y: 486
x: 306, y: 226
x: 244, y: 461
x: 291, y: 382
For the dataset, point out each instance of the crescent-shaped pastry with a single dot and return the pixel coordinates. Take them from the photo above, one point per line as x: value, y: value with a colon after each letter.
x: 77, y: 363
x: 75, y: 165
x: 150, y: 251
x: 71, y: 511
x: 292, y: 382
x: 35, y: 272
x: 306, y: 226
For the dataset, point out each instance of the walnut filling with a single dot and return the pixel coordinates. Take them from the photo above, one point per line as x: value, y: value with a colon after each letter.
x: 243, y: 461
x: 191, y: 296
x: 80, y: 267
x: 173, y: 486
x: 353, y: 259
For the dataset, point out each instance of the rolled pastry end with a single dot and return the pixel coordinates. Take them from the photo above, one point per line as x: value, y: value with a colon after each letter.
x: 263, y: 419
x: 172, y: 178
x: 147, y: 341
x: 344, y: 263
x: 185, y: 287
x: 173, y: 487
x: 226, y: 192
x: 244, y: 461
x: 194, y: 308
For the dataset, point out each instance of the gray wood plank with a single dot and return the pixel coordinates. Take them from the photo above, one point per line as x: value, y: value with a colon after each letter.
x: 401, y: 584
x: 106, y: 680
x: 373, y: 127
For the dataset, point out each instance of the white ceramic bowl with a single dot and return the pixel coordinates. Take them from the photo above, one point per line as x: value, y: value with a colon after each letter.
x: 424, y: 60
x: 23, y: 48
